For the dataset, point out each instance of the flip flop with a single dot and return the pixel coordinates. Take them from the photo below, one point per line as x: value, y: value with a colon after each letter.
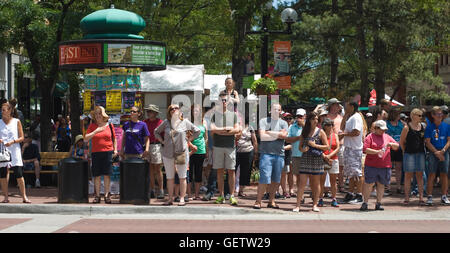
x: 5, y: 201
x: 27, y: 201
x: 257, y: 206
x: 273, y: 206
x: 168, y: 203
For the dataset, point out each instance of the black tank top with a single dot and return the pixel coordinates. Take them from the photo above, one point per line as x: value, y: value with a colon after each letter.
x: 415, y: 140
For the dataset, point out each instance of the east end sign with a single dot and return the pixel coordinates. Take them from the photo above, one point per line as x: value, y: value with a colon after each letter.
x: 95, y: 53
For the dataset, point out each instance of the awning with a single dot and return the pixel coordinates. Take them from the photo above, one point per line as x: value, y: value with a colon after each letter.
x: 175, y: 78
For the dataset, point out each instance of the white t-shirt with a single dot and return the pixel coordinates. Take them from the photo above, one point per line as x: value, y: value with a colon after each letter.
x: 354, y: 122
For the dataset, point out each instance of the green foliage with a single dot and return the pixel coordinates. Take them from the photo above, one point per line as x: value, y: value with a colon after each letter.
x: 266, y: 84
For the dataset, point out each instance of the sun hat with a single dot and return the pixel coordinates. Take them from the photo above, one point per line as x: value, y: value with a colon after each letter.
x: 152, y: 107
x: 78, y: 138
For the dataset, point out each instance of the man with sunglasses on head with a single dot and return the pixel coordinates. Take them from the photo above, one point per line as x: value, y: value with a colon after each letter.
x: 437, y: 140
x: 224, y: 127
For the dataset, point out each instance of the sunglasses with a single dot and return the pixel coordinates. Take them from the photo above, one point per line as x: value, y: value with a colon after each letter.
x: 288, y: 118
x: 224, y: 100
x: 419, y: 115
x: 174, y: 108
x: 299, y: 117
x: 132, y: 111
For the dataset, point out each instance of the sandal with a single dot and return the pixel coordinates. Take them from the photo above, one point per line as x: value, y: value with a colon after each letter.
x: 182, y: 203
x: 108, y: 198
x: 405, y: 202
x: 257, y: 205
x: 422, y: 203
x: 315, y: 209
x: 5, y: 201
x: 26, y: 201
x: 96, y: 200
x: 293, y: 195
x: 241, y: 194
x: 296, y: 210
x: 274, y: 206
x: 168, y: 203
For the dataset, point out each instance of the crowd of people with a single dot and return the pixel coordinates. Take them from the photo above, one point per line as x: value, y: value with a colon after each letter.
x: 217, y: 152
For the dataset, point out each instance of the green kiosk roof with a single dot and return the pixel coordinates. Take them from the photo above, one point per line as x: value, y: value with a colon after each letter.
x: 112, y: 24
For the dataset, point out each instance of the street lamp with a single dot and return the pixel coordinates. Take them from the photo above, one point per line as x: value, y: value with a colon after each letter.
x: 288, y: 16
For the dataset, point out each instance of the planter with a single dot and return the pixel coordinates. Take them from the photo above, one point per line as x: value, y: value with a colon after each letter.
x: 261, y: 91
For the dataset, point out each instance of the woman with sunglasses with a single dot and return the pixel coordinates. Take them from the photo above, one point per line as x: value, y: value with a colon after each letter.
x: 377, y: 166
x: 313, y: 141
x: 135, y: 141
x: 172, y: 134
x: 412, y: 142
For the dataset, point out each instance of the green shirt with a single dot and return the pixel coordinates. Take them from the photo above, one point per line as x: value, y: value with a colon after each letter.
x: 200, y: 141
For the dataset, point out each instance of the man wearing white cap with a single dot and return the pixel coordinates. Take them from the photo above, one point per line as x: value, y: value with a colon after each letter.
x: 294, y: 132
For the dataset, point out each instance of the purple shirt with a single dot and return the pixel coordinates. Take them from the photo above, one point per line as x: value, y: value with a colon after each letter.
x: 135, y: 134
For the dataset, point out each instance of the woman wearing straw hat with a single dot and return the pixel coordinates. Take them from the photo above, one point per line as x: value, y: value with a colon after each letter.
x: 104, y: 148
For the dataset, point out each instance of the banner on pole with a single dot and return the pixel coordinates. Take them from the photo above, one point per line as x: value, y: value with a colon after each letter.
x: 282, y: 59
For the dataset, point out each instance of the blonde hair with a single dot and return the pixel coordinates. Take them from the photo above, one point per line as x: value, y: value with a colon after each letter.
x: 102, y: 110
x: 416, y: 111
x: 169, y: 110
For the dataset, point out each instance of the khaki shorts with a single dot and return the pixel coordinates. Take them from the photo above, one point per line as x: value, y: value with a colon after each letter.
x: 224, y: 158
x: 155, y: 154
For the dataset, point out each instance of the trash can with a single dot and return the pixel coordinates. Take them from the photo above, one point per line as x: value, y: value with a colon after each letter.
x: 73, y: 181
x: 134, y: 181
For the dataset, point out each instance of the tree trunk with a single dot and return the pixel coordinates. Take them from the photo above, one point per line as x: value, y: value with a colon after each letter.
x: 238, y: 63
x: 75, y: 106
x: 334, y: 64
x: 362, y: 54
x: 46, y: 115
x: 379, y: 50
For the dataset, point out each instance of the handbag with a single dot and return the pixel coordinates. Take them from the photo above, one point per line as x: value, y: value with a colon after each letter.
x: 180, y: 158
x: 115, y: 159
x: 5, y: 155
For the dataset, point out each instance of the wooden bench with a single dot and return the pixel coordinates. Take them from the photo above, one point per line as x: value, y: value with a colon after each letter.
x: 49, y: 159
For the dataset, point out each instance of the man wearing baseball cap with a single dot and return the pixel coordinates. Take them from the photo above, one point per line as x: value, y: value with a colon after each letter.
x: 155, y: 158
x: 334, y: 109
x: 294, y: 132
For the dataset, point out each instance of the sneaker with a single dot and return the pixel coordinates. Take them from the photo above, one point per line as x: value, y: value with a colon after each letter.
x: 327, y: 195
x: 320, y: 204
x: 429, y: 201
x: 373, y: 194
x: 266, y: 196
x: 233, y: 201
x: 444, y: 200
x: 278, y: 195
x: 227, y: 197
x: 152, y: 194
x: 160, y: 195
x: 378, y: 207
x: 364, y: 207
x: 220, y: 200
x: 207, y: 196
x: 334, y: 203
x: 177, y: 199
x: 349, y: 196
x: 387, y: 193
x: 37, y: 184
x: 186, y: 199
x: 357, y: 199
x: 286, y: 195
x: 203, y: 189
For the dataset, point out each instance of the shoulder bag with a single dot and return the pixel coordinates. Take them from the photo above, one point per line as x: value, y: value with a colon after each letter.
x: 180, y: 158
x: 5, y: 155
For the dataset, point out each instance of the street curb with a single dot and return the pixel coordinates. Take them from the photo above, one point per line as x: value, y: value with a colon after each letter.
x: 70, y: 209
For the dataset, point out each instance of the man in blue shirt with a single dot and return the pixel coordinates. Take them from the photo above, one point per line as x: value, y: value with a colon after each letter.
x: 437, y: 140
x: 294, y: 132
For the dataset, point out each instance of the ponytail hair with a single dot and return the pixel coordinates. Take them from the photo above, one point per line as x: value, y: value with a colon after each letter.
x: 12, y: 106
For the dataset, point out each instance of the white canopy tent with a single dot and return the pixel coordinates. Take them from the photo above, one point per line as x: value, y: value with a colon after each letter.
x: 175, y: 78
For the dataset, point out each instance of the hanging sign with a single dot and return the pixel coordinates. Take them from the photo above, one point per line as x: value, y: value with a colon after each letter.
x: 282, y: 58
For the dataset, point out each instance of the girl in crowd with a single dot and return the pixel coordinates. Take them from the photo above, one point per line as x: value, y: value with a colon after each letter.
x: 246, y: 150
x: 175, y: 151
x: 79, y: 149
x: 11, y: 135
x: 197, y: 157
x: 412, y: 143
x: 331, y: 161
x: 135, y: 141
x: 395, y: 127
x: 378, y: 164
x: 313, y: 142
x: 104, y: 148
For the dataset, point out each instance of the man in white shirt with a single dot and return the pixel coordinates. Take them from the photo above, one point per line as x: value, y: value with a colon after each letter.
x: 353, y: 134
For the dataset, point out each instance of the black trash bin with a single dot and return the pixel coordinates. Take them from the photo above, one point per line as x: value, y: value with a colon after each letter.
x: 134, y: 181
x: 73, y: 181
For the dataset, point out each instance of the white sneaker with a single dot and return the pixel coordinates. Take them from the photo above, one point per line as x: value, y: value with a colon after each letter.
x: 444, y: 200
x: 429, y: 201
x: 373, y: 194
x: 37, y: 184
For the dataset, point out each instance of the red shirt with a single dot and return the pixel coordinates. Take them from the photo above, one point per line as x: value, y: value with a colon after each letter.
x: 333, y: 146
x: 152, y: 125
x: 101, y: 142
x: 377, y: 142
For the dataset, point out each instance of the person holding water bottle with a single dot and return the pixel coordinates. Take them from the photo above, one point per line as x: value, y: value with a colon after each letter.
x: 377, y: 146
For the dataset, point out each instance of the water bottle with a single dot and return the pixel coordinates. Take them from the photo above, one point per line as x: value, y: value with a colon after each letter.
x: 383, y: 150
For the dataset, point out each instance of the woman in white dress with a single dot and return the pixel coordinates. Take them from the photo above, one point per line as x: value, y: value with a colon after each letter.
x: 11, y: 135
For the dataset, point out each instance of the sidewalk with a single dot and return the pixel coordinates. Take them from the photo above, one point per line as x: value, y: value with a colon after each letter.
x: 44, y: 200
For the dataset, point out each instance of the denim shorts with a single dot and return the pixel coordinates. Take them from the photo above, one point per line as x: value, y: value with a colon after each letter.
x: 270, y: 167
x: 434, y: 163
x: 414, y: 162
x: 380, y: 175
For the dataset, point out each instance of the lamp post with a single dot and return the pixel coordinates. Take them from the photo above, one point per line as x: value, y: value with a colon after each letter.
x: 288, y: 16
